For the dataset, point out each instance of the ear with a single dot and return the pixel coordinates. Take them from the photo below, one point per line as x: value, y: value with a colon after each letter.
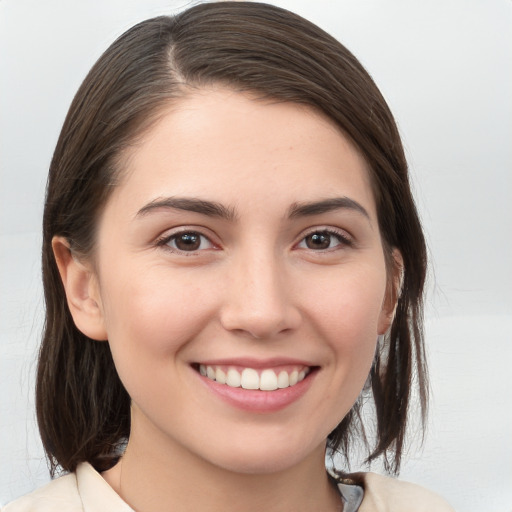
x: 393, y: 292
x: 82, y: 290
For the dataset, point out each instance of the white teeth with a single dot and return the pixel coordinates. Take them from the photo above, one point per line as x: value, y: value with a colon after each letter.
x: 283, y: 380
x: 267, y: 380
x: 233, y: 378
x: 250, y: 379
x: 220, y: 376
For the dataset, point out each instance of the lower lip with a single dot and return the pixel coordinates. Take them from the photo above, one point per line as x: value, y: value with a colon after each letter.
x: 258, y: 401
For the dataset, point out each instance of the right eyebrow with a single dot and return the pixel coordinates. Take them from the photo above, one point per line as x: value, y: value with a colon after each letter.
x: 327, y: 205
x: 190, y: 204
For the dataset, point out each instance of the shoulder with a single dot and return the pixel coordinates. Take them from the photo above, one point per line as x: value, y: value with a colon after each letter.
x: 61, y: 492
x: 385, y: 494
x: 83, y: 490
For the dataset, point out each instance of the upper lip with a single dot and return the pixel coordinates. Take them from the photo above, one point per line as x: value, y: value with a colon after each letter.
x: 250, y: 362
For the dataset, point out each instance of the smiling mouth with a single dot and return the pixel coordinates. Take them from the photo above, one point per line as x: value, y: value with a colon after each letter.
x: 250, y: 378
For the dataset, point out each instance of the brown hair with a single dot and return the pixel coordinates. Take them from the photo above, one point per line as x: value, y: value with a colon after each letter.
x: 82, y: 406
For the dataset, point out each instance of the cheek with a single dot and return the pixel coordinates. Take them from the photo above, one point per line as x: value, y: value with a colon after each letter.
x: 350, y: 303
x: 149, y: 322
x: 346, y: 313
x: 153, y: 315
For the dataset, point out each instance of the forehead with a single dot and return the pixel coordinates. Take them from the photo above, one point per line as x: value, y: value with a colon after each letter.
x: 233, y: 147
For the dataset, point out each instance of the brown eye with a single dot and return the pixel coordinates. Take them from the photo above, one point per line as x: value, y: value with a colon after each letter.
x: 318, y: 241
x: 322, y: 240
x: 188, y: 241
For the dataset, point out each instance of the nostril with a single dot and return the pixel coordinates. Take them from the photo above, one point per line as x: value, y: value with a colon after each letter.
x: 260, y: 324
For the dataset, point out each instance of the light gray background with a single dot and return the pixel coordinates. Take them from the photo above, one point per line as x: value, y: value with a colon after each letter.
x: 445, y: 67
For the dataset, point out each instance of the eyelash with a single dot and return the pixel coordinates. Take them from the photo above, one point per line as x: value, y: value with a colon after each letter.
x: 167, y: 239
x: 343, y: 239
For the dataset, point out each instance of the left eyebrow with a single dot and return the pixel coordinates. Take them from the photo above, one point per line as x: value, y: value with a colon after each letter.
x: 326, y: 205
x: 190, y: 204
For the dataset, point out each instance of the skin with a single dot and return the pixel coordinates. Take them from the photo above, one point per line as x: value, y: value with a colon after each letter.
x: 256, y: 286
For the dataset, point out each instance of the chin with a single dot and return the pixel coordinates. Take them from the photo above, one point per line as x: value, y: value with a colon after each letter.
x: 266, y: 458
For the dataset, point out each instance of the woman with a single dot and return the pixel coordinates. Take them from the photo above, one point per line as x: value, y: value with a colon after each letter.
x: 231, y: 254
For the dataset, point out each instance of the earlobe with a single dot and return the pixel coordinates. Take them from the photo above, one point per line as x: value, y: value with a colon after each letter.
x: 82, y: 292
x: 392, y: 293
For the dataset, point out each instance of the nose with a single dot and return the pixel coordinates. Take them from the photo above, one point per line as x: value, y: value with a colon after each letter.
x: 259, y: 299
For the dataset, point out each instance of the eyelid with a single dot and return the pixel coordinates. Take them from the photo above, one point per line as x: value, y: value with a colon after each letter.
x: 164, y: 239
x: 346, y: 239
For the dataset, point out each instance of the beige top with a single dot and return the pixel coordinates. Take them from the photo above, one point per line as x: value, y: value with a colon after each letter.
x: 87, y: 491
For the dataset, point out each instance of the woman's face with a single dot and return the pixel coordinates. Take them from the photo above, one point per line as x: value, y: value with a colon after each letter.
x: 242, y: 243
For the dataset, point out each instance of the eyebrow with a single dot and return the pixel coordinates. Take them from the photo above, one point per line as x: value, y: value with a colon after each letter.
x: 214, y: 209
x: 189, y: 204
x: 326, y: 205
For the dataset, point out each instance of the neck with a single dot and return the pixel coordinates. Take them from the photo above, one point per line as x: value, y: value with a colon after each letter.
x: 169, y: 477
